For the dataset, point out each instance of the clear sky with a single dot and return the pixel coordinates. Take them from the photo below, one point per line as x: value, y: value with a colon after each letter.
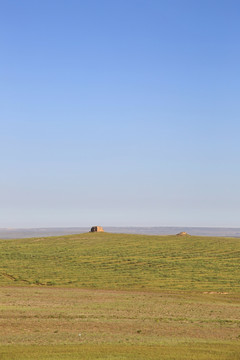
x: 121, y: 113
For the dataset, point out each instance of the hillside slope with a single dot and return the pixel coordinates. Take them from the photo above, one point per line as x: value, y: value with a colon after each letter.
x: 123, y: 261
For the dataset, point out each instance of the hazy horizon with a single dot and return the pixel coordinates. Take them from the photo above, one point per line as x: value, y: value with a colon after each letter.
x: 157, y: 230
x: 121, y: 226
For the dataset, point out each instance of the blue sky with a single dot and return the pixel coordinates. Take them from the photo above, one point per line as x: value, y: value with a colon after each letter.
x: 119, y: 113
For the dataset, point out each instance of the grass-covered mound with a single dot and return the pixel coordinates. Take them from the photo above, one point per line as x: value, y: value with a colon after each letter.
x: 121, y: 261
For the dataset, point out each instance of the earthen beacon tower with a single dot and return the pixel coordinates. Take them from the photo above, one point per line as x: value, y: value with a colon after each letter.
x: 96, y: 229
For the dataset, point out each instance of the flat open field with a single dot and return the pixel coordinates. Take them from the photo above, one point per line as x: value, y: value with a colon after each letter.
x: 130, y: 297
x: 117, y: 324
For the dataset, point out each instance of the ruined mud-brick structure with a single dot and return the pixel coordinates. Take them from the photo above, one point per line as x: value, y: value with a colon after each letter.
x: 96, y: 229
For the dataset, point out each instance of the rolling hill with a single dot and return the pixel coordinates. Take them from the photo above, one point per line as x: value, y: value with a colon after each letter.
x: 123, y: 261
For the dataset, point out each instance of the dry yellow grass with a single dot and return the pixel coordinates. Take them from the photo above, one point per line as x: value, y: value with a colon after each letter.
x: 32, y: 315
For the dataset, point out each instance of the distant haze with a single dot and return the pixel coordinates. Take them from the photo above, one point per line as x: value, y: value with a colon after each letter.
x: 41, y: 232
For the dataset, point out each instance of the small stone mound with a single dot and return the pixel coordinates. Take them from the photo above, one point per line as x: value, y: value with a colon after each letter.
x: 96, y: 229
x: 183, y: 233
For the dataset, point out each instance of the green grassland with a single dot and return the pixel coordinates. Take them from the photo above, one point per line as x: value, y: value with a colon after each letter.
x: 118, y: 261
x: 123, y: 352
x: 130, y: 297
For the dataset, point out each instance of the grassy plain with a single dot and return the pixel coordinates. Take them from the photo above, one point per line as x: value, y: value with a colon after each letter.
x: 120, y: 261
x: 129, y: 296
